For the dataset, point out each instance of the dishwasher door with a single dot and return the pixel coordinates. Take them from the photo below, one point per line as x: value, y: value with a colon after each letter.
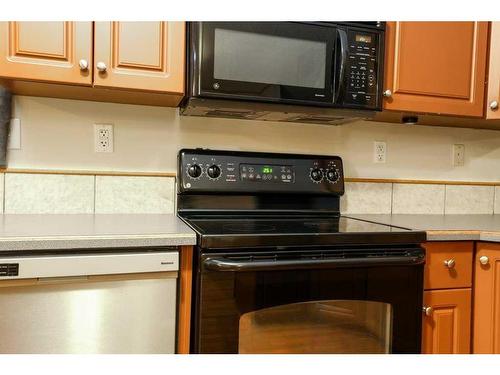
x: 114, y: 303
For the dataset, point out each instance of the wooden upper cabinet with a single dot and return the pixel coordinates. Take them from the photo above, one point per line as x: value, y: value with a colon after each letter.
x: 140, y: 55
x: 436, y: 67
x: 447, y: 324
x: 46, y: 51
x: 487, y: 299
x: 492, y: 111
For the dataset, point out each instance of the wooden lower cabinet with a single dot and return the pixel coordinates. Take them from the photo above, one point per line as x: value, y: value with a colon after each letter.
x: 487, y: 299
x: 446, y: 324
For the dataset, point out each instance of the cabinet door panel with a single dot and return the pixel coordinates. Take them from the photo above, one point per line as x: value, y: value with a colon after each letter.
x: 141, y: 55
x: 494, y: 72
x: 487, y: 300
x: 46, y: 51
x: 447, y: 329
x: 436, y: 67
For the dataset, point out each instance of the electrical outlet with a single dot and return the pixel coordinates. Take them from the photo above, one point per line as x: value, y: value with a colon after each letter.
x: 103, y: 138
x: 379, y: 151
x: 458, y: 155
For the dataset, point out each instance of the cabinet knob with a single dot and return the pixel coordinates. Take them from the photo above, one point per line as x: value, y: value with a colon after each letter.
x: 449, y: 263
x: 494, y: 105
x: 484, y: 260
x: 387, y: 93
x: 427, y: 310
x: 84, y: 64
x: 101, y: 66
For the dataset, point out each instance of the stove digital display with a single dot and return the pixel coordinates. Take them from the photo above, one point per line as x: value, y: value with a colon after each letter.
x: 267, y: 173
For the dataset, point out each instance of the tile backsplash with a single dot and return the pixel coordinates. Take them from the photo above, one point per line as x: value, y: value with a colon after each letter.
x: 32, y: 193
x: 409, y: 198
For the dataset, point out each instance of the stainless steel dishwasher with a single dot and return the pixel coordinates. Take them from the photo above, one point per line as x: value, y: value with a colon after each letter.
x: 89, y: 302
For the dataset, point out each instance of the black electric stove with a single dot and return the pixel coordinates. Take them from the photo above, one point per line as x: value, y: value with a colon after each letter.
x: 271, y: 239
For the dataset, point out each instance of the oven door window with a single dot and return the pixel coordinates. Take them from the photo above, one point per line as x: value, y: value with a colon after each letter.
x: 381, y: 304
x: 345, y: 327
x: 265, y: 60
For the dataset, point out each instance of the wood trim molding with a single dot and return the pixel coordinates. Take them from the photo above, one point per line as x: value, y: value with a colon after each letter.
x: 184, y: 306
x: 428, y: 182
x: 89, y: 173
x: 173, y: 174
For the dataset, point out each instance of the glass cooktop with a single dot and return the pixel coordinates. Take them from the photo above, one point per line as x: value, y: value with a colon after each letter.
x: 260, y: 226
x: 277, y: 231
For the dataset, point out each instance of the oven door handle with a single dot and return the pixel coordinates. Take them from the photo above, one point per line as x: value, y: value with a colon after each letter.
x: 229, y: 265
x: 343, y: 62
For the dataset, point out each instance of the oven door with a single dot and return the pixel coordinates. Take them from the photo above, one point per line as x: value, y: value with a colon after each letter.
x: 308, y: 303
x: 286, y: 62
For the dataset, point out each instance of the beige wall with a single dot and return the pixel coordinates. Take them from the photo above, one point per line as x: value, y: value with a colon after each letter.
x: 58, y: 134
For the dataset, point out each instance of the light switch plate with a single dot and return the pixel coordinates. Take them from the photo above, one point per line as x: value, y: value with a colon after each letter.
x: 458, y: 155
x: 14, y: 141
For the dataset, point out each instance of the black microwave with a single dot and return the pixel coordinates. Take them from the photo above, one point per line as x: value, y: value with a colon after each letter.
x: 320, y: 64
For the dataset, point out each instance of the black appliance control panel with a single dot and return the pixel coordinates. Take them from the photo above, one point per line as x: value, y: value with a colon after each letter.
x: 9, y: 269
x: 206, y: 171
x: 362, y: 68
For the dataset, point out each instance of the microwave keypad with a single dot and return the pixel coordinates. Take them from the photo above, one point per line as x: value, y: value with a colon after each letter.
x: 361, y: 69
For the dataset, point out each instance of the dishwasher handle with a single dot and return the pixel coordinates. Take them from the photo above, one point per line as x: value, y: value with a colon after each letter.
x: 232, y: 265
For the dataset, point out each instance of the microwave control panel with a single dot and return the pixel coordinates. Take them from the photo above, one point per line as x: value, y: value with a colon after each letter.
x: 202, y: 171
x: 361, y: 76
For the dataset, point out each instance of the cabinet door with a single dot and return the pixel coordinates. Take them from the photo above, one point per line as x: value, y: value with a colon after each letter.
x: 436, y: 67
x: 46, y: 51
x: 140, y: 55
x: 487, y: 299
x: 492, y: 111
x: 446, y: 326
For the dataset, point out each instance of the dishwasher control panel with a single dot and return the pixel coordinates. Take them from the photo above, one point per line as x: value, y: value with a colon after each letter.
x: 9, y: 269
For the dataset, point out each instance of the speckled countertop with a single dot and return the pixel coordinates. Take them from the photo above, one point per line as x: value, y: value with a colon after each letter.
x: 444, y: 227
x: 56, y: 232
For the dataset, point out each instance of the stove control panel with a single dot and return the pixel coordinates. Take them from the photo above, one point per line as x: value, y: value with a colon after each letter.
x: 202, y: 171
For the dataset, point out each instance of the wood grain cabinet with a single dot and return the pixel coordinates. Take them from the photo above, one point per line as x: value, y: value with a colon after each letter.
x: 436, y: 67
x: 140, y: 55
x: 487, y: 299
x: 126, y: 62
x: 493, y: 98
x: 447, y: 298
x: 46, y: 51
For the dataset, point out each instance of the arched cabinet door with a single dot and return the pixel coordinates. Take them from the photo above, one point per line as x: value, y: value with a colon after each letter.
x: 56, y: 52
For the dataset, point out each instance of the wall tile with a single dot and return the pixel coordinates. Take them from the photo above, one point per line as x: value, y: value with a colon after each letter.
x: 366, y: 198
x: 2, y: 185
x: 48, y: 193
x: 139, y: 195
x: 418, y: 199
x: 496, y: 209
x: 469, y: 199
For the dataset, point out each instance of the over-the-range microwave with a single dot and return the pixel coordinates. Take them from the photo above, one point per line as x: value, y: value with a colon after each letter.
x: 323, y: 72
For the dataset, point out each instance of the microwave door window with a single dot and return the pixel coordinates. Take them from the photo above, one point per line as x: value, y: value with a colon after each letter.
x: 269, y: 59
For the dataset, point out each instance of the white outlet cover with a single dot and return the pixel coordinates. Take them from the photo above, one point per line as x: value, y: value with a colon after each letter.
x: 103, y: 138
x: 14, y: 141
x: 379, y: 151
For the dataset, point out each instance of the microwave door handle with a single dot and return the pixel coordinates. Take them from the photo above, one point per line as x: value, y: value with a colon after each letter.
x: 229, y: 265
x: 343, y: 62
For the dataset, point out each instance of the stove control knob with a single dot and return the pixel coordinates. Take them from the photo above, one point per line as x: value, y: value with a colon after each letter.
x: 332, y: 175
x: 316, y: 175
x: 194, y: 171
x: 213, y: 171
